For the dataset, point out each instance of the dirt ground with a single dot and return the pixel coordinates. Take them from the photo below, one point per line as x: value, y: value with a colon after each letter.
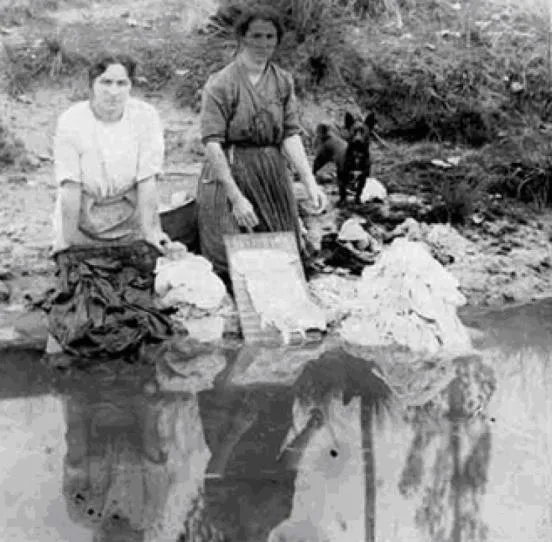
x: 510, y: 262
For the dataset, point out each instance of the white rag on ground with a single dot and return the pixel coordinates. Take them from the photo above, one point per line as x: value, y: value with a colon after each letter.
x: 408, y: 299
x: 352, y: 230
x: 443, y: 238
x: 277, y: 291
x: 373, y: 190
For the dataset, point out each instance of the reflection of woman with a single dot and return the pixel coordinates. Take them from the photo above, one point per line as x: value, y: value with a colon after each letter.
x: 116, y: 475
x: 134, y: 464
x: 248, y: 123
x: 108, y: 151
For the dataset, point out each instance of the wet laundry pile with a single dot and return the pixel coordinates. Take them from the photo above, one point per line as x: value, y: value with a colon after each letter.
x: 103, y: 303
x: 187, y: 283
x: 407, y: 299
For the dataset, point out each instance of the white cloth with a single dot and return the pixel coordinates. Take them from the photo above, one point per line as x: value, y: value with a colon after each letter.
x: 409, y: 299
x: 107, y: 159
x: 190, y: 281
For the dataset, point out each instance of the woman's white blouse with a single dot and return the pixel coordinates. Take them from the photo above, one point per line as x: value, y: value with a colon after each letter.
x: 107, y: 159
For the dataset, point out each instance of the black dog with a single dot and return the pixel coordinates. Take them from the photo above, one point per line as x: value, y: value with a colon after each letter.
x: 351, y: 155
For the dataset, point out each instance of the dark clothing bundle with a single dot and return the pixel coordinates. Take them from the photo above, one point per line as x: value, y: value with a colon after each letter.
x: 103, y: 305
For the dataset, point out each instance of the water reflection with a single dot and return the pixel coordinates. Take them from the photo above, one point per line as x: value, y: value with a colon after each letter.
x: 448, y: 461
x: 252, y: 444
x: 134, y: 463
x: 290, y: 451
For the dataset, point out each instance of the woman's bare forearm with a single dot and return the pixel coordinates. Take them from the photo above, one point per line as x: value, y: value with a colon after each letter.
x: 295, y: 153
x: 148, y: 206
x: 70, y: 196
x: 219, y: 162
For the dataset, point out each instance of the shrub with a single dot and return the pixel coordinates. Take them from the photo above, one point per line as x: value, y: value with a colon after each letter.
x: 520, y: 166
x: 48, y: 57
x: 452, y: 79
x: 314, y: 46
x: 12, y: 150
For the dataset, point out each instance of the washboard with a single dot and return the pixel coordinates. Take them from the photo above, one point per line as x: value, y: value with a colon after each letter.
x: 249, y: 319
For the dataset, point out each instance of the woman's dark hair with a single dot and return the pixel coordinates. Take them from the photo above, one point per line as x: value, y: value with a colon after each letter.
x: 259, y: 13
x: 107, y: 59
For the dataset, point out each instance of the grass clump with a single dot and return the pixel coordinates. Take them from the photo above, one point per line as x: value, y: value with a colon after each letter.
x: 12, y: 149
x: 519, y: 166
x: 48, y: 57
x: 17, y: 12
x: 455, y: 76
x: 313, y: 47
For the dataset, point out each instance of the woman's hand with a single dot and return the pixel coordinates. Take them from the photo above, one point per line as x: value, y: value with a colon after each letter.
x: 160, y: 240
x: 318, y: 198
x: 244, y: 213
x: 295, y: 152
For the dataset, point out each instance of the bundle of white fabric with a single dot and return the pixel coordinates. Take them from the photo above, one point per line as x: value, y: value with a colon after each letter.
x: 334, y: 294
x: 188, y: 282
x: 407, y: 299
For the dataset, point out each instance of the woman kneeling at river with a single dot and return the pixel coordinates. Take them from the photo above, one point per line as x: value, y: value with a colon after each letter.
x: 108, y: 151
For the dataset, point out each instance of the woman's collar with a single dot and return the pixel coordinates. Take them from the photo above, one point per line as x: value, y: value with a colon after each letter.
x: 108, y: 121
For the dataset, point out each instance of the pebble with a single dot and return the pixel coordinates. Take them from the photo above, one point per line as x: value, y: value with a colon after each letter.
x: 8, y: 334
x: 5, y: 273
x: 17, y: 179
x: 5, y: 292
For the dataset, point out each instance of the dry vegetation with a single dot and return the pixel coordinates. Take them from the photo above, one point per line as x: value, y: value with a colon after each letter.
x: 9, y: 147
x: 473, y: 77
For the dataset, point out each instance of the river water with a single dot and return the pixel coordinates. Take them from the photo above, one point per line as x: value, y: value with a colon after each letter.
x: 243, y: 445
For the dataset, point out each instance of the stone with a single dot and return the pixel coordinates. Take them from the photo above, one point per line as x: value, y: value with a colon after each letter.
x: 5, y: 292
x: 32, y: 324
x: 9, y: 335
x: 52, y: 346
x: 5, y: 273
x: 17, y: 179
x: 30, y: 162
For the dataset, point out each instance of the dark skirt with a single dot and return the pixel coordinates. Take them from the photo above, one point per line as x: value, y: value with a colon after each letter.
x: 262, y: 177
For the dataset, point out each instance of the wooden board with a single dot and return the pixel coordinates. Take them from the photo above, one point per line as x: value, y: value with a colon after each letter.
x: 249, y: 319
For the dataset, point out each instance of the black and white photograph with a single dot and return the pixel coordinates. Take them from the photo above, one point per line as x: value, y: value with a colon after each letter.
x: 275, y: 271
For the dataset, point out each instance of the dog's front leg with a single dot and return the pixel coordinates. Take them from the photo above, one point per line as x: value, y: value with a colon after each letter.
x: 323, y: 157
x: 361, y: 183
x: 343, y: 182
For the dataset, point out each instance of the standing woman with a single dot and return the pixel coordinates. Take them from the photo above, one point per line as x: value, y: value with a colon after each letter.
x: 108, y: 151
x: 249, y: 126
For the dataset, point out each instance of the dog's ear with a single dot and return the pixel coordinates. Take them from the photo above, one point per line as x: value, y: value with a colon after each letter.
x: 349, y: 120
x: 322, y: 131
x: 370, y: 120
